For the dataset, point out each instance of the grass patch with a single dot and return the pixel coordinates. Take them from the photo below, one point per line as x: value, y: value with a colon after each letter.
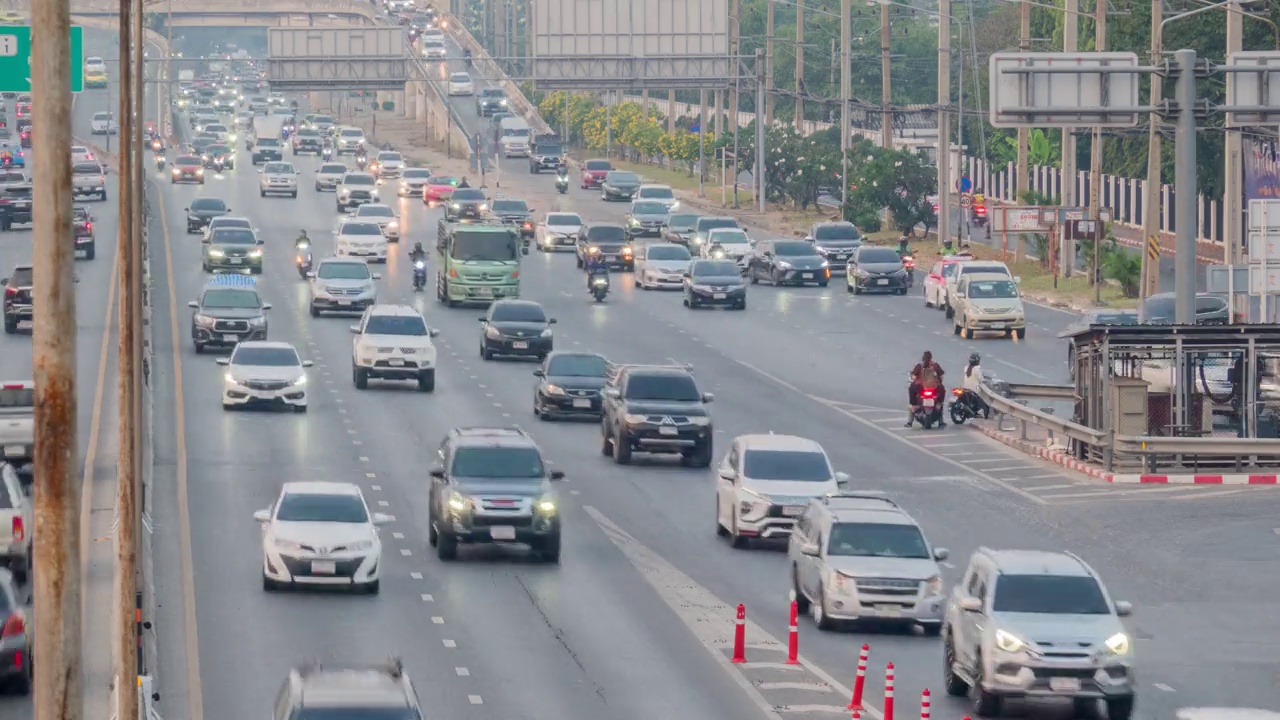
x: 680, y: 180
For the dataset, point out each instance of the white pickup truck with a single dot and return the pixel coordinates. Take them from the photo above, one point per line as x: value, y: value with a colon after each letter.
x: 17, y: 514
x: 18, y: 421
x: 87, y: 179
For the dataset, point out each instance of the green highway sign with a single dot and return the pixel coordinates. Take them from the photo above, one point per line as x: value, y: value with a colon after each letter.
x: 15, y: 59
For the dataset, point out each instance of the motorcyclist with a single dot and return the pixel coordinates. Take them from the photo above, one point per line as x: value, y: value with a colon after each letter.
x: 972, y: 379
x: 595, y: 265
x: 464, y: 183
x: 948, y: 248
x: 904, y: 247
x: 302, y: 240
x: 562, y: 169
x: 417, y: 253
x: 926, y: 374
x: 466, y: 57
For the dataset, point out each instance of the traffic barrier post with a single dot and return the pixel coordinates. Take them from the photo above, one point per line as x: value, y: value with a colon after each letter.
x: 888, y: 692
x: 740, y: 635
x: 793, y: 639
x: 855, y: 703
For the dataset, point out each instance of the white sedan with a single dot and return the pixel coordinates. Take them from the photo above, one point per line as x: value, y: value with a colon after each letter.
x: 361, y: 239
x: 460, y: 84
x: 265, y: 374
x: 661, y: 265
x: 727, y: 243
x: 388, y: 165
x: 321, y: 533
x: 103, y: 123
x: 384, y: 216
x: 559, y: 231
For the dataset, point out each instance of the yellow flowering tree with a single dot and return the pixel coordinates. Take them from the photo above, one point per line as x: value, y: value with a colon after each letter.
x: 552, y: 109
x: 682, y: 146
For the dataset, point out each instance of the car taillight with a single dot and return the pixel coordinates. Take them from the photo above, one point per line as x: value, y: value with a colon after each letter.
x: 13, y: 626
x: 19, y: 530
x: 927, y: 393
x: 11, y: 291
x: 88, y: 226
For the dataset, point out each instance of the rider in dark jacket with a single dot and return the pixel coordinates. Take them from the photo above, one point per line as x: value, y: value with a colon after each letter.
x: 417, y: 253
x: 595, y: 265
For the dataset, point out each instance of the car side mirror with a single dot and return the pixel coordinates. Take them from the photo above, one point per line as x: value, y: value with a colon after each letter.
x: 842, y: 479
x: 552, y: 321
x: 612, y: 393
x: 708, y: 397
x: 433, y: 332
x: 539, y: 373
x: 380, y: 519
x: 971, y: 604
x: 311, y: 275
x: 941, y: 554
x: 729, y: 475
x: 186, y: 209
x: 377, y: 276
x: 685, y: 275
x: 307, y: 363
x: 1017, y: 280
x: 266, y: 306
x: 193, y: 304
x: 261, y: 241
x: 437, y: 473
x: 810, y: 548
x: 4, y: 282
x: 260, y: 170
x: 223, y: 361
x: 262, y: 515
x: 557, y: 475
x: 355, y: 329
x: 1124, y: 608
x: 483, y: 320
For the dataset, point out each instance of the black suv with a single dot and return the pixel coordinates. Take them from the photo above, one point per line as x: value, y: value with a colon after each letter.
x: 611, y: 241
x: 836, y: 242
x: 229, y: 311
x: 82, y: 229
x: 267, y: 150
x: 515, y: 213
x: 490, y: 100
x: 317, y: 691
x: 17, y: 298
x: 656, y: 409
x: 569, y: 385
x: 466, y: 203
x: 16, y: 200
x: 492, y: 486
x: 202, y: 210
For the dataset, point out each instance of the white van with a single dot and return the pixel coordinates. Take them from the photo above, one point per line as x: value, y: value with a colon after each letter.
x: 514, y: 135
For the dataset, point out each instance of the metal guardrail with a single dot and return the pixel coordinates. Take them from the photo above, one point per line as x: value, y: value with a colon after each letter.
x: 1243, y: 452
x: 1004, y: 401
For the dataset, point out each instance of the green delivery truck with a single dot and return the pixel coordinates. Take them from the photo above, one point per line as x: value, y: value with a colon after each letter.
x: 477, y: 262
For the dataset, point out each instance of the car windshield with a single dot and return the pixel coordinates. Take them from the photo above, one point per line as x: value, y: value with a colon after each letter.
x: 682, y: 222
x: 518, y: 312
x: 22, y: 277
x: 351, y: 132
x: 668, y: 252
x: 353, y: 179
x: 577, y: 366
x: 278, y: 169
x: 649, y: 208
x: 673, y: 388
x: 417, y: 173
x: 729, y: 237
x: 375, y: 211
x: 396, y: 325
x: 308, y: 132
x: 974, y: 268
x: 226, y: 222
x: 231, y: 298
x: 877, y: 540
x: 790, y: 465
x: 598, y: 165
x: 322, y: 120
x: 102, y: 116
x: 706, y: 224
x: 332, y: 169
x: 441, y: 180
x: 360, y: 228
x: 623, y: 178
x: 343, y: 271
x: 1158, y: 308
x: 265, y: 356
x: 389, y: 157
x: 469, y: 194
x: 459, y: 78
x: 317, y: 507
x: 1050, y: 594
x: 510, y: 206
x: 660, y: 193
x: 187, y: 160
x: 878, y: 255
x: 564, y: 220
x: 491, y: 93
x: 483, y: 246
x: 607, y: 234
x: 233, y: 236
x: 211, y: 128
x: 840, y: 231
x: 208, y: 204
x: 272, y: 142
x: 1113, y: 319
x: 716, y: 268
x: 505, y: 463
x: 86, y: 169
x: 793, y: 249
x: 992, y: 289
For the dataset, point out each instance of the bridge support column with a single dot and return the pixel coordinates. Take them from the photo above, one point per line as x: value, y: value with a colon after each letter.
x: 410, y: 100
x: 402, y: 103
x: 420, y: 92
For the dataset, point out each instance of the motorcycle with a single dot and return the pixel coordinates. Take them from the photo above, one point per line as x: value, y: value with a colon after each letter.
x: 966, y: 404
x: 302, y: 259
x: 909, y: 264
x: 326, y: 154
x: 157, y: 146
x: 160, y: 162
x: 219, y: 163
x: 600, y: 286
x: 284, y: 133
x: 419, y: 274
x: 361, y: 162
x: 928, y: 410
x: 562, y: 184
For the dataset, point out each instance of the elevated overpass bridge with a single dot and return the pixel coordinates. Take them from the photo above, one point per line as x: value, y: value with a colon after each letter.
x: 246, y: 13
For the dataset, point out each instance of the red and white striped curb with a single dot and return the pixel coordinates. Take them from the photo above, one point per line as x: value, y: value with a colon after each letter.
x: 1067, y: 461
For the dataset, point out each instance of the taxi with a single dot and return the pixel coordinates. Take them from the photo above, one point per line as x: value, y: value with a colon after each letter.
x: 438, y: 189
x: 935, y: 283
x: 8, y: 17
x: 95, y: 77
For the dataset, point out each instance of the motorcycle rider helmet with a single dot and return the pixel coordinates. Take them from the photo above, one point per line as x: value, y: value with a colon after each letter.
x: 417, y: 248
x: 975, y: 359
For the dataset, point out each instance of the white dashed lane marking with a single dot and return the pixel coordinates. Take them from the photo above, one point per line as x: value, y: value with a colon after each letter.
x: 406, y: 552
x: 384, y: 503
x: 427, y: 597
x: 364, y: 459
x: 462, y: 672
x: 375, y: 488
x: 475, y: 699
x: 397, y: 536
x: 450, y: 643
x: 415, y: 575
x: 437, y: 620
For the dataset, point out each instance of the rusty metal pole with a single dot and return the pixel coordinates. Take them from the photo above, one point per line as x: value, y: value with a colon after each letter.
x: 139, y: 230
x: 58, y: 690
x: 126, y: 529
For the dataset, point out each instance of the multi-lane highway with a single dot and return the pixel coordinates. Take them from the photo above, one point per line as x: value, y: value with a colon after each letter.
x: 620, y: 629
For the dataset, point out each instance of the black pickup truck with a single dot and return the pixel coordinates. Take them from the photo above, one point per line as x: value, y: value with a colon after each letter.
x: 656, y: 409
x: 546, y: 155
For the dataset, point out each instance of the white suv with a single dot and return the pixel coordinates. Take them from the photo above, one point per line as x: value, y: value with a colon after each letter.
x: 388, y: 165
x: 278, y: 178
x: 342, y: 285
x: 350, y: 139
x: 393, y: 342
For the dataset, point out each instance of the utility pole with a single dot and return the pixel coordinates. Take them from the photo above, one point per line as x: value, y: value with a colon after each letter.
x: 799, y: 119
x: 1095, y: 154
x: 735, y: 50
x: 886, y: 95
x: 1070, y: 43
x: 1151, y: 200
x: 768, y: 64
x: 126, y: 652
x: 1184, y: 178
x: 56, y: 579
x: 944, y: 120
x: 1024, y: 138
x: 1232, y: 192
x: 846, y: 89
x: 139, y: 224
x: 761, y: 170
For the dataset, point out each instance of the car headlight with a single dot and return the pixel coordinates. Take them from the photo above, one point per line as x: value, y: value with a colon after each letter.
x: 361, y: 546
x: 214, y: 252
x: 258, y: 322
x: 593, y: 250
x: 825, y: 264
x: 492, y: 332
x: 204, y: 321
x: 546, y: 505
x: 626, y: 251
x: 483, y: 207
x: 503, y: 103
x: 933, y: 586
x: 457, y: 206
x: 554, y: 390
x: 231, y: 378
x: 1009, y: 642
x: 200, y: 172
x: 393, y: 225
x: 700, y: 421
x: 784, y: 265
x: 176, y: 171
x: 255, y: 253
x: 546, y: 333
x: 863, y: 274
x: 204, y: 158
x: 300, y: 380
x: 458, y: 502
x: 287, y: 545
x: 820, y: 249
x: 633, y: 221
x: 750, y: 503
x: 633, y: 419
x: 1118, y: 644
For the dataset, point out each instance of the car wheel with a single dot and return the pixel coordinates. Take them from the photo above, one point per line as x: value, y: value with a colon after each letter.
x: 818, y: 609
x: 802, y: 602
x: 700, y: 457
x: 1020, y: 334
x: 622, y: 449
x: 90, y: 253
x: 360, y: 377
x: 315, y: 311
x: 742, y: 305
x: 427, y: 381
x: 485, y: 353
x: 199, y: 348
x: 373, y: 587
x: 1120, y: 708
x: 269, y: 585
x: 446, y: 546
x: 549, y: 549
x: 736, y: 541
x: 721, y: 530
x: 951, y: 682
x: 985, y: 704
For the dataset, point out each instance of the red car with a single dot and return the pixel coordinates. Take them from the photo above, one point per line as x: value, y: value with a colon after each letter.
x: 24, y: 109
x: 438, y: 189
x: 593, y: 172
x: 24, y: 137
x: 188, y: 169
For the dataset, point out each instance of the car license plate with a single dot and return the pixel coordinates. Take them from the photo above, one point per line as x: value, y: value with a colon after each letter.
x: 997, y: 326
x: 396, y: 363
x: 806, y: 276
x: 668, y: 431
x: 344, y: 302
x: 1064, y: 684
x: 882, y: 282
x: 928, y: 402
x: 611, y: 258
x: 230, y: 338
x: 14, y: 450
x: 235, y: 261
x: 890, y: 610
x: 502, y: 532
x: 484, y: 291
x: 323, y: 567
x: 520, y: 345
x: 793, y: 510
x: 718, y: 296
x: 582, y: 403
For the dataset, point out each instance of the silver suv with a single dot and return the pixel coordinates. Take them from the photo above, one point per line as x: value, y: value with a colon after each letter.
x: 342, y: 285
x: 859, y: 556
x: 1027, y: 623
x: 316, y: 691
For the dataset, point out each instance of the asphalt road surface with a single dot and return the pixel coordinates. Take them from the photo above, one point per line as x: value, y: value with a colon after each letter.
x: 632, y: 623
